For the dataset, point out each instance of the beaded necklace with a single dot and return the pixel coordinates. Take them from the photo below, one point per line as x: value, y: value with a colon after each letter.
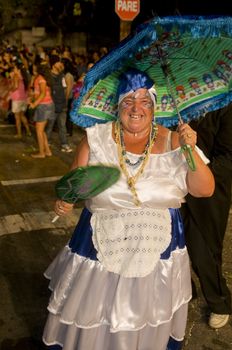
x: 124, y: 153
x: 142, y: 161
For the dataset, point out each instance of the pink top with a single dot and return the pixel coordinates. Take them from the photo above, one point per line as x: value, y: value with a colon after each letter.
x: 47, y: 98
x: 20, y: 94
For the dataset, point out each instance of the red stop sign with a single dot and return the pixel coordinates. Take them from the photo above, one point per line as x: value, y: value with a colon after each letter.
x: 127, y: 10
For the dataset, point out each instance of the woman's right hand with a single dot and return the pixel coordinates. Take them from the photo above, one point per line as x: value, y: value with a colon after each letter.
x: 62, y: 208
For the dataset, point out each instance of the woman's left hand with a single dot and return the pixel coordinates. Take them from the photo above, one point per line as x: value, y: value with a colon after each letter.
x: 187, y: 136
x: 62, y: 207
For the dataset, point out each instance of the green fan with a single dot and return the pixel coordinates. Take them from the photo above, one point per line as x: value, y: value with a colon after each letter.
x: 85, y: 182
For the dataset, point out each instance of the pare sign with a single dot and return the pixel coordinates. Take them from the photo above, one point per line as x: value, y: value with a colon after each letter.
x: 127, y: 10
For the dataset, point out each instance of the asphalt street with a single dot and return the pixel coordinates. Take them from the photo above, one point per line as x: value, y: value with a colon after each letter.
x: 29, y: 241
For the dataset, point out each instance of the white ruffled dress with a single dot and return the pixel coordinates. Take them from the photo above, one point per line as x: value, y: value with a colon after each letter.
x: 123, y: 280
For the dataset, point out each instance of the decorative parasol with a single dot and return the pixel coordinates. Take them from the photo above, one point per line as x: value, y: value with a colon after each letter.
x: 85, y: 182
x: 189, y: 58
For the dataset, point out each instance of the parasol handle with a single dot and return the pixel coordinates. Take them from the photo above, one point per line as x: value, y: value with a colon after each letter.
x: 190, y: 159
x: 55, y: 218
x: 186, y: 148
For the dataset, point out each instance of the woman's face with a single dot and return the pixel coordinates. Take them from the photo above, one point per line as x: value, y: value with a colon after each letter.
x: 136, y: 111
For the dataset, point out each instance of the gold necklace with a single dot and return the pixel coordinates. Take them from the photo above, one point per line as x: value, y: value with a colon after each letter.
x: 131, y: 180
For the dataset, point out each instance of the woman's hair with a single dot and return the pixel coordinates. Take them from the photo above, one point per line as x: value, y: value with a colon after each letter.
x: 24, y: 72
x: 68, y: 66
x: 44, y: 70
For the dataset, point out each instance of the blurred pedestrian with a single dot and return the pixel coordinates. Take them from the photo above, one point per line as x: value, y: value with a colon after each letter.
x: 59, y: 86
x: 77, y: 86
x: 69, y: 74
x: 19, y: 97
x: 4, y: 94
x: 44, y: 107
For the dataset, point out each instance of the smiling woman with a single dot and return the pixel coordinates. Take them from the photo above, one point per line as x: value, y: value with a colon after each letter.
x: 123, y: 281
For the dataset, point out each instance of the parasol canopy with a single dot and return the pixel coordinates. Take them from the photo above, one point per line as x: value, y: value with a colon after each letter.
x: 189, y: 58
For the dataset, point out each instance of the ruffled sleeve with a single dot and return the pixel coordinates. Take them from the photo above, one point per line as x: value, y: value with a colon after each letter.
x: 101, y: 143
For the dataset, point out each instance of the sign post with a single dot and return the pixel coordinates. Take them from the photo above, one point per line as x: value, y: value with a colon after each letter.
x: 127, y: 10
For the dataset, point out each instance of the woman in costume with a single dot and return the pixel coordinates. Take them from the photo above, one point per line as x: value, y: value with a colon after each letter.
x: 123, y: 281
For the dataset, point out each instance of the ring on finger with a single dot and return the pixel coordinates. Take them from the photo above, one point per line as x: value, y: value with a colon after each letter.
x: 189, y: 136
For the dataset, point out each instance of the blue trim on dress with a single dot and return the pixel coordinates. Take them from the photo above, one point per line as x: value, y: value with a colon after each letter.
x: 174, y: 344
x: 178, y: 240
x: 81, y: 240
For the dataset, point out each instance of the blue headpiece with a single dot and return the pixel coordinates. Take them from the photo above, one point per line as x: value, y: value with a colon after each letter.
x: 132, y: 80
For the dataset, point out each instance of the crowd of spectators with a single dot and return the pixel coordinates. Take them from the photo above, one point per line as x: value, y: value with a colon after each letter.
x: 17, y: 77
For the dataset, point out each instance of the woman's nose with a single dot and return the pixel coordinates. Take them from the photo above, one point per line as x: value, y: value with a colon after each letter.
x: 135, y: 105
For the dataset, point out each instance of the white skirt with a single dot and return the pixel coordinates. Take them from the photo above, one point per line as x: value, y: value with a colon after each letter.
x: 93, y: 309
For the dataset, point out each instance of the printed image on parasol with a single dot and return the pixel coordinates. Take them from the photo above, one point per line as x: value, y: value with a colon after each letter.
x: 189, y: 59
x: 85, y: 182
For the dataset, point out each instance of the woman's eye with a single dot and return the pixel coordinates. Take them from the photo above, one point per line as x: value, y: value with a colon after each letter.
x: 147, y: 103
x: 126, y: 103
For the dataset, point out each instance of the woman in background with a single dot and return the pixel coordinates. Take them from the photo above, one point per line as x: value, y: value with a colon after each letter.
x: 18, y: 95
x: 44, y: 106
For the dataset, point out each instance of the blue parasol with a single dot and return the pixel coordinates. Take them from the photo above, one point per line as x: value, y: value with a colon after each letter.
x: 189, y: 58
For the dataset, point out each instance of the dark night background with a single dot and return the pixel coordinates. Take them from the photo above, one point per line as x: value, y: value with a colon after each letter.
x: 106, y: 21
x: 98, y: 18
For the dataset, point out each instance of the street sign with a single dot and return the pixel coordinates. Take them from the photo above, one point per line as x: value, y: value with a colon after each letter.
x: 127, y: 10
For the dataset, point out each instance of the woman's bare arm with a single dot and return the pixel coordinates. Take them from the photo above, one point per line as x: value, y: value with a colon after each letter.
x: 201, y: 181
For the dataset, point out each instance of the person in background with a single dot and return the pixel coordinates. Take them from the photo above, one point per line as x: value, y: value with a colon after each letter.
x: 69, y: 74
x: 95, y: 56
x: 80, y: 63
x: 41, y: 52
x: 67, y: 54
x: 206, y: 218
x: 103, y: 51
x: 5, y: 87
x: 43, y: 104
x: 59, y: 86
x: 123, y: 281
x: 77, y: 86
x: 7, y: 61
x: 19, y: 97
